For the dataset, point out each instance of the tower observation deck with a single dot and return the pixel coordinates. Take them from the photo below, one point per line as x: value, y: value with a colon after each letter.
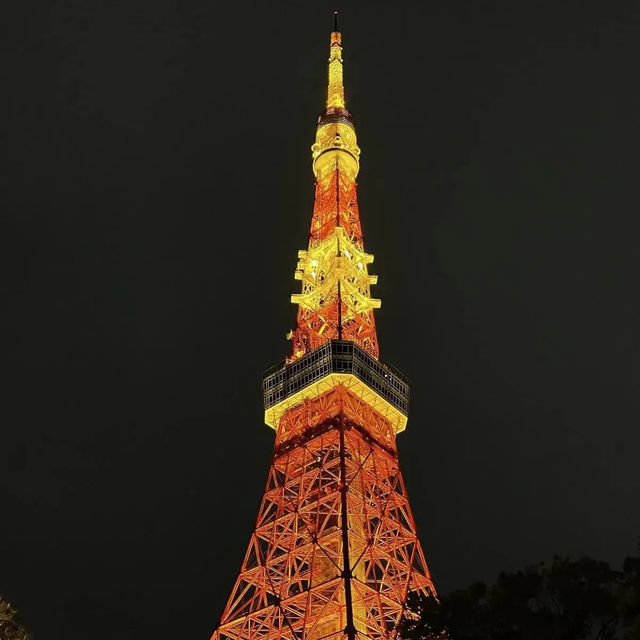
x: 334, y: 552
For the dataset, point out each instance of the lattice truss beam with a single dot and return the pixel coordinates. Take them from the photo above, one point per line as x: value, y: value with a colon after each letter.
x: 335, y: 300
x: 337, y: 259
x: 336, y: 204
x: 293, y: 579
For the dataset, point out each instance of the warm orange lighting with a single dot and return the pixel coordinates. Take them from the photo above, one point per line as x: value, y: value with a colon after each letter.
x: 336, y: 300
x: 335, y: 468
x: 334, y: 551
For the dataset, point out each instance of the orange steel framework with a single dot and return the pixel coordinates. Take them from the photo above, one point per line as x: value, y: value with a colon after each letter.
x: 334, y: 552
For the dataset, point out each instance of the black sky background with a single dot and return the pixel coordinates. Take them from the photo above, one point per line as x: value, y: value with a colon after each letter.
x: 156, y: 186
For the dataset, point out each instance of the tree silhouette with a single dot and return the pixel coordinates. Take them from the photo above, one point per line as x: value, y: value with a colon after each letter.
x: 10, y: 626
x: 566, y: 600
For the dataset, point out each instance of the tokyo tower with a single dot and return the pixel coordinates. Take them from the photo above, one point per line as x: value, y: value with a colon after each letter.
x: 334, y: 552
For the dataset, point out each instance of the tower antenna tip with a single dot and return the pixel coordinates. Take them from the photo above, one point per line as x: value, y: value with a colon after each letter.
x: 335, y: 21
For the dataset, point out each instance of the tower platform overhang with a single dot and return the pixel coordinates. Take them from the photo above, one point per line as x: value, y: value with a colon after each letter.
x: 338, y: 362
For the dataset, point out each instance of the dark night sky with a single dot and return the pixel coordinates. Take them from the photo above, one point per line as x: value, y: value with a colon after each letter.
x: 156, y: 186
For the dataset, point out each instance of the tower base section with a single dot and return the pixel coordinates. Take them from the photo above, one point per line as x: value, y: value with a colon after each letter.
x: 334, y: 552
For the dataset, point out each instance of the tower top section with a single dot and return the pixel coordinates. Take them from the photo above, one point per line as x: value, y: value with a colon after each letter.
x: 335, y: 302
x: 335, y: 136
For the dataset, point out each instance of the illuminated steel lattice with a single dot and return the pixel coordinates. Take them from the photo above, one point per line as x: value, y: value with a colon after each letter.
x: 334, y: 552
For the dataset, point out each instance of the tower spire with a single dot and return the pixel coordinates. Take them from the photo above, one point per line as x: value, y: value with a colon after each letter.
x: 335, y: 93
